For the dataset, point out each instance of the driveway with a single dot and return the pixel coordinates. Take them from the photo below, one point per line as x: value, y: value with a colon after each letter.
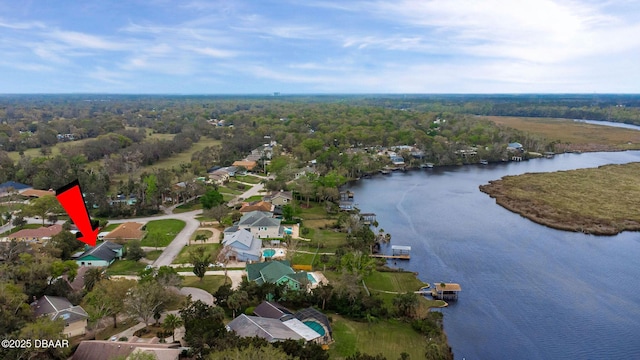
x: 197, y: 294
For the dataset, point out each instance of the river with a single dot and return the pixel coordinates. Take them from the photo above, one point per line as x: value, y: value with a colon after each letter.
x: 528, y: 291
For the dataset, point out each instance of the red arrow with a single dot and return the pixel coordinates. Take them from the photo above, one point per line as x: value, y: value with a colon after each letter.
x: 70, y: 197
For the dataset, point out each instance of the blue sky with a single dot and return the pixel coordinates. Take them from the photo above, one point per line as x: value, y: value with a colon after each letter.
x: 316, y: 46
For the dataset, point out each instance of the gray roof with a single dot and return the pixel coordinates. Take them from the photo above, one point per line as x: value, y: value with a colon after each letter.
x: 231, y: 229
x: 267, y: 221
x: 59, y: 308
x: 243, y: 241
x: 105, y: 251
x: 270, y: 329
x: 272, y: 310
x: 251, y: 217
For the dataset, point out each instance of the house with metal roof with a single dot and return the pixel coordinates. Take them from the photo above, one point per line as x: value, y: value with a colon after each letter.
x: 277, y: 272
x: 243, y: 246
x: 261, y: 224
x: 272, y: 330
x: 75, y: 318
x: 102, y: 255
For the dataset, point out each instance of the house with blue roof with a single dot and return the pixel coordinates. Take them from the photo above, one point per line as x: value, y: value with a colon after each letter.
x: 243, y: 246
x: 12, y: 186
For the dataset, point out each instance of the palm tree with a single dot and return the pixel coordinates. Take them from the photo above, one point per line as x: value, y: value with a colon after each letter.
x: 172, y: 322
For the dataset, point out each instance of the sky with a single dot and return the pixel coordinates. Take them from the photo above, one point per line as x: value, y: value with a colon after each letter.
x: 317, y: 46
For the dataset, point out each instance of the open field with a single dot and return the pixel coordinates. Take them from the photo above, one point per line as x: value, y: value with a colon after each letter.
x: 183, y: 257
x: 573, y: 135
x: 209, y: 283
x: 166, y: 231
x: 170, y: 162
x: 601, y: 201
x: 55, y: 150
x: 390, y: 338
x: 125, y: 267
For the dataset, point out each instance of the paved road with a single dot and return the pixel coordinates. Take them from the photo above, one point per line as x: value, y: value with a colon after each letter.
x: 234, y: 275
x: 197, y: 294
x: 173, y: 249
x: 254, y: 190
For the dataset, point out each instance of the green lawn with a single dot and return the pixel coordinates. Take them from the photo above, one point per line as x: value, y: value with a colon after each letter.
x: 390, y: 338
x: 227, y: 190
x: 125, y: 267
x: 153, y: 254
x: 183, y: 257
x: 209, y: 283
x: 302, y: 259
x: 254, y: 198
x: 166, y: 230
x: 206, y: 233
x: 393, y: 281
x: 249, y: 179
x: 188, y: 207
x: 110, y: 227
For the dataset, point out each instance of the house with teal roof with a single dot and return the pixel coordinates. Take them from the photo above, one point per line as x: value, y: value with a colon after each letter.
x: 277, y: 272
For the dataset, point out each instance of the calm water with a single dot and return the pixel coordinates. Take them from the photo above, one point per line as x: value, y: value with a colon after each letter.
x: 528, y: 292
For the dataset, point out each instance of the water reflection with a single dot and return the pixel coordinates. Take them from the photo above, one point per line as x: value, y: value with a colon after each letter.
x: 529, y: 292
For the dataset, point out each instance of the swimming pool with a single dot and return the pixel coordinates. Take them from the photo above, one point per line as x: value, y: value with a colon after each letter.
x: 311, y: 278
x: 268, y: 253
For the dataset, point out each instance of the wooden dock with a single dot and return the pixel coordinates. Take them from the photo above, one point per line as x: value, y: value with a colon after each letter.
x: 400, y: 257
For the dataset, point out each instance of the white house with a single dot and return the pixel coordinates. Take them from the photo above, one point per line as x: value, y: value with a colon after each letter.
x: 261, y: 224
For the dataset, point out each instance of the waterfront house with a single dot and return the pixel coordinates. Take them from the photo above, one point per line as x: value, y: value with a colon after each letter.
x: 446, y: 291
x: 243, y: 246
x: 75, y: 317
x: 515, y: 146
x: 272, y: 330
x: 310, y: 317
x: 102, y: 255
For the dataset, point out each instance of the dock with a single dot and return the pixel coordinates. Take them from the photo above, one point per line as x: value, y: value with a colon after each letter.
x: 398, y: 252
x: 399, y: 257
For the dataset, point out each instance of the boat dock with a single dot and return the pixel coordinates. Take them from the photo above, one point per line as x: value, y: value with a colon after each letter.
x: 399, y: 257
x: 398, y: 252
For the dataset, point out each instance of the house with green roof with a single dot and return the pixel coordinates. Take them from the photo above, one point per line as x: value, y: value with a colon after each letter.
x: 277, y: 272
